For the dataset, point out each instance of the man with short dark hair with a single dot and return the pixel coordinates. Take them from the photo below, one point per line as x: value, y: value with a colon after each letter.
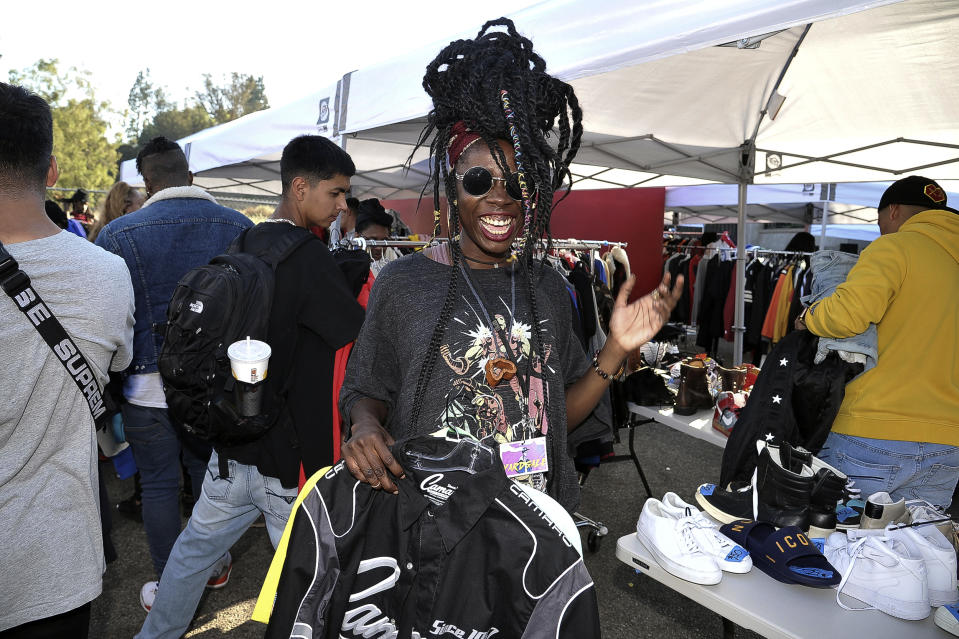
x: 179, y: 228
x: 51, y: 553
x: 313, y: 314
x: 898, y: 426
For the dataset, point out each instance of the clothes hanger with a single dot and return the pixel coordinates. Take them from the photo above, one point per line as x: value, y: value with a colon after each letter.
x: 466, y: 454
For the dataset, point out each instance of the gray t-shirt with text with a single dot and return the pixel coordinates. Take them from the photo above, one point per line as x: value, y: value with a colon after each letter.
x: 51, y: 553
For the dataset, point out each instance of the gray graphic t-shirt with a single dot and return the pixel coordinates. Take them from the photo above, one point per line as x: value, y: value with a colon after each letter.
x: 491, y: 320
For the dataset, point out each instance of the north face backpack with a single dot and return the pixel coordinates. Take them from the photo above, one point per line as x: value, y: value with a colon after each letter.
x: 213, y: 306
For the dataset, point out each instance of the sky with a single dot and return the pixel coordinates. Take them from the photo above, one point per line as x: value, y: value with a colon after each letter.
x: 295, y: 46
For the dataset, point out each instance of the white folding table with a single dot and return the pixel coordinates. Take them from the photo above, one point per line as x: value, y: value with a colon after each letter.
x: 699, y: 425
x: 776, y: 610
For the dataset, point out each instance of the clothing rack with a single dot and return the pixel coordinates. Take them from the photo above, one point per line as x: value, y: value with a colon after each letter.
x: 749, y: 251
x: 566, y: 245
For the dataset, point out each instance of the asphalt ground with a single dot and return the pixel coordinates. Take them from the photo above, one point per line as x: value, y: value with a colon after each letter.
x: 631, y: 605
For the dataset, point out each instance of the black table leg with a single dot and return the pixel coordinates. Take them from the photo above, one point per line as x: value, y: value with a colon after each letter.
x: 639, y: 468
x: 729, y: 629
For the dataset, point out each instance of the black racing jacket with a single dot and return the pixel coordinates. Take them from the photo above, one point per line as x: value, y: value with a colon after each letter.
x: 455, y: 555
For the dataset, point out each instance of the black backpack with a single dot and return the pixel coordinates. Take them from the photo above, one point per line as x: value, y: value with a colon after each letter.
x: 213, y: 306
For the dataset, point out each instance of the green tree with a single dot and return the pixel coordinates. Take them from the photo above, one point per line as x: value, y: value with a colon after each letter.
x: 151, y: 113
x: 243, y: 94
x: 145, y: 101
x: 86, y: 157
x: 176, y: 123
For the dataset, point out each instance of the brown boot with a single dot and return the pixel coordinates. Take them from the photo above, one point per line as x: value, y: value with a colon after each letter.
x: 733, y: 379
x: 693, y: 390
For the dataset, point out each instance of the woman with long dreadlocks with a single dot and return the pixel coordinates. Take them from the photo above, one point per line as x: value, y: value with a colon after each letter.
x: 476, y: 333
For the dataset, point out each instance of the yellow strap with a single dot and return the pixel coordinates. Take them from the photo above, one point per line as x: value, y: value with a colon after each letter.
x: 264, y: 603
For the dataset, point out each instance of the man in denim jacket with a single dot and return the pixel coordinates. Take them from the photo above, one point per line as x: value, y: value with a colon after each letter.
x: 179, y: 228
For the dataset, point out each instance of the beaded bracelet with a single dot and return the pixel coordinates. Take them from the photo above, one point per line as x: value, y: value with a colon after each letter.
x: 606, y: 376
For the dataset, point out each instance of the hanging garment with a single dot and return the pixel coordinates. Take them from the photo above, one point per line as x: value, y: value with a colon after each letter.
x: 680, y: 311
x: 621, y: 264
x: 757, y: 295
x: 453, y: 554
x: 793, y: 399
x: 582, y: 282
x: 829, y: 269
x: 781, y: 327
x: 803, y: 284
x: 690, y: 274
x: 604, y: 304
x: 599, y: 267
x: 339, y: 372
x: 769, y: 324
x: 729, y: 309
x: 715, y: 287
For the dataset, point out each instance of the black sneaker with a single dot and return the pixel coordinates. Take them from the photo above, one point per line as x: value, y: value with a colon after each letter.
x: 131, y: 507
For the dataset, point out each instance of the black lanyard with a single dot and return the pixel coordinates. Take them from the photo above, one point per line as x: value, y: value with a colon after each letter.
x: 498, y: 332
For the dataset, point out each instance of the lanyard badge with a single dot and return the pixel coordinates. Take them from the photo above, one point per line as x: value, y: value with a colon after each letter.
x: 525, y: 457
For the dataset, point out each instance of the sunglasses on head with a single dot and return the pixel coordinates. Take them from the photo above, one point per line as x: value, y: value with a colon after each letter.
x: 478, y: 181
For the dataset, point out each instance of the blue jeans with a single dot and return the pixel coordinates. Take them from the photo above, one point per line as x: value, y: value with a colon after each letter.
x: 909, y: 470
x: 829, y: 270
x: 226, y: 508
x: 157, y: 445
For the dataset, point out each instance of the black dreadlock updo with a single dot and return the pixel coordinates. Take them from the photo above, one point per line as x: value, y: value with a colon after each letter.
x: 466, y: 81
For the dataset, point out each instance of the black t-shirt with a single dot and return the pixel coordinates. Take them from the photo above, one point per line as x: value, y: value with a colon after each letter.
x: 313, y: 314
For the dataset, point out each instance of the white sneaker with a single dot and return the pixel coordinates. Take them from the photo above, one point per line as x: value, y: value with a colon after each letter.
x: 922, y: 510
x: 882, y: 573
x: 729, y: 555
x: 221, y: 572
x: 947, y: 618
x: 672, y: 543
x: 930, y: 545
x: 881, y: 511
x: 148, y: 594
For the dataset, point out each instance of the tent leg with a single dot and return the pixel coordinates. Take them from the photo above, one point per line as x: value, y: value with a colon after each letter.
x: 825, y: 223
x: 739, y: 323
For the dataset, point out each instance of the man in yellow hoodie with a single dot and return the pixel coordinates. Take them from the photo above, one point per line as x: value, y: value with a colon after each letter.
x: 898, y: 428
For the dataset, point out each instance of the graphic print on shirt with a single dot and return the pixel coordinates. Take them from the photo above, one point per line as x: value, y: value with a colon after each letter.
x: 494, y: 412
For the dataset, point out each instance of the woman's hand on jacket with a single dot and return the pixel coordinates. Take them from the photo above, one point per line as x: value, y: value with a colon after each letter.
x: 368, y: 457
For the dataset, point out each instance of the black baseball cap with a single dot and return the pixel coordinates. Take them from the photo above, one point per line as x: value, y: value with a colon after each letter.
x: 917, y: 191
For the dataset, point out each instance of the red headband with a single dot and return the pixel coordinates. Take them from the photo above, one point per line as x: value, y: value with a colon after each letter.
x: 460, y: 139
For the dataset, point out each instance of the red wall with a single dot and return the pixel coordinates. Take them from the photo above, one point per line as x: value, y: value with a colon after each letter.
x: 634, y: 216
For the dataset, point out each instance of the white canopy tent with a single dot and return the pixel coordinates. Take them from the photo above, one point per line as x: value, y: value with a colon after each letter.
x: 672, y: 91
x: 861, y: 232
x: 731, y: 91
x: 853, y: 203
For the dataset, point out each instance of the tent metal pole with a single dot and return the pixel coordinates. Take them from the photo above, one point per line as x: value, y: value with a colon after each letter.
x: 739, y: 323
x: 825, y: 222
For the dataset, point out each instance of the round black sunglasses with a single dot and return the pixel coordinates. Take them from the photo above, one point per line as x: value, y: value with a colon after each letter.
x: 478, y: 181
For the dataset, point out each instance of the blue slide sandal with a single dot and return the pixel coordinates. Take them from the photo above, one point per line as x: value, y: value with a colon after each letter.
x: 786, y: 555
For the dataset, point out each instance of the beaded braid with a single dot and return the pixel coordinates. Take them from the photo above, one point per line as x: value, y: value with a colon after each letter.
x: 498, y: 87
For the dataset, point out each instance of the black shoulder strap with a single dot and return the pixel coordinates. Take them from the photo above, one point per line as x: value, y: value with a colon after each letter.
x: 17, y: 285
x: 279, y: 248
x: 284, y: 246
